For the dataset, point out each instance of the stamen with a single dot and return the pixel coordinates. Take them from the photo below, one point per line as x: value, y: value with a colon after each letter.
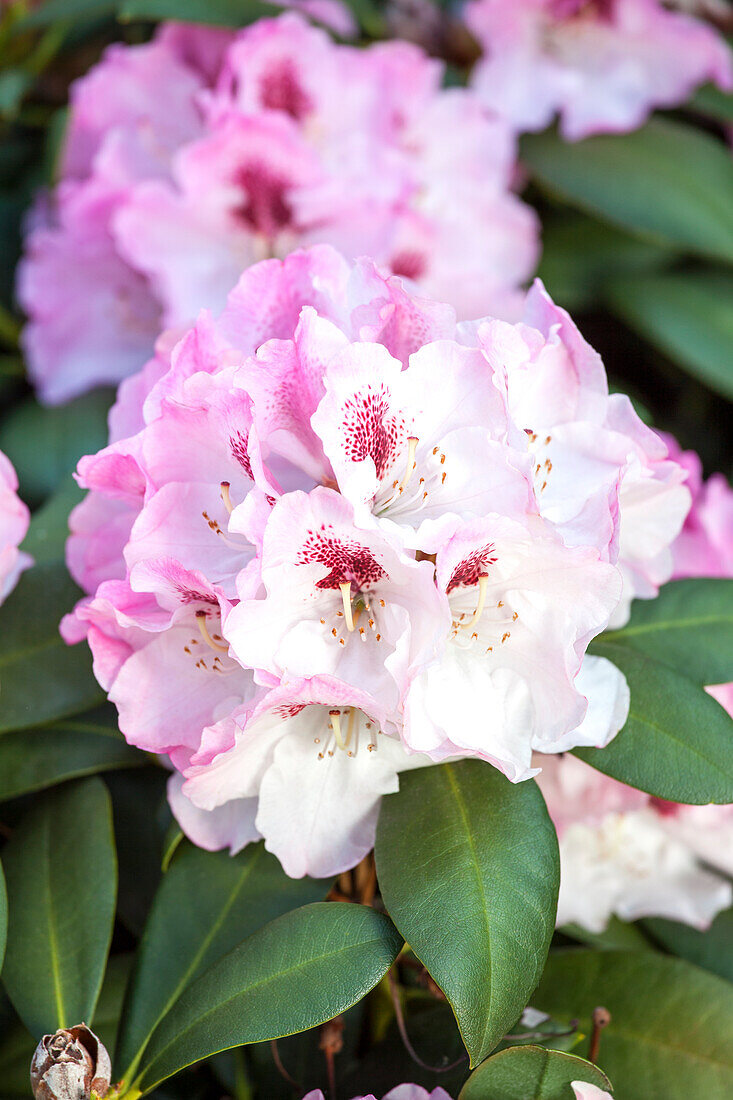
x: 412, y: 442
x: 350, y: 726
x: 335, y: 716
x: 482, y: 586
x: 345, y: 587
x: 225, y: 486
x: 201, y: 621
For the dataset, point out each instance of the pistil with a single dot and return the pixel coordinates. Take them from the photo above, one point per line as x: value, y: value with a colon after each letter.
x: 225, y: 486
x: 335, y: 716
x: 345, y: 588
x: 201, y: 622
x: 482, y: 588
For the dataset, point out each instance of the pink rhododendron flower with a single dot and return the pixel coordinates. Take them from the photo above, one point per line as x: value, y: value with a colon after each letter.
x: 193, y: 156
x: 317, y: 553
x: 401, y: 1092
x: 623, y: 852
x: 14, y: 519
x: 602, y: 65
x: 704, y: 547
x: 584, y: 1091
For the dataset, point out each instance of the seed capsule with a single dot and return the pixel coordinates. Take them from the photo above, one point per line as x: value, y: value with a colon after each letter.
x: 70, y: 1065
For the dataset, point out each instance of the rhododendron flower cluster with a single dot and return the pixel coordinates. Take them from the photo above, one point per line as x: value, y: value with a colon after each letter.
x: 203, y: 151
x: 623, y: 852
x: 601, y: 65
x: 338, y: 534
x: 14, y: 518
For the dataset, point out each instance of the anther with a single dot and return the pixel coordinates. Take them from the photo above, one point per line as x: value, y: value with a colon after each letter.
x: 226, y: 497
x: 345, y: 587
x: 201, y: 622
x: 482, y: 586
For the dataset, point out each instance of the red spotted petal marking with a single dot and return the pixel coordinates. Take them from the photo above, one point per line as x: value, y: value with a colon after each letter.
x: 371, y: 430
x: 289, y: 710
x: 348, y: 561
x: 410, y: 264
x: 468, y: 571
x: 238, y: 445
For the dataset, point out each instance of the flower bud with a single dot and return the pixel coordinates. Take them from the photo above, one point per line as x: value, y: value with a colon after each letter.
x: 70, y: 1065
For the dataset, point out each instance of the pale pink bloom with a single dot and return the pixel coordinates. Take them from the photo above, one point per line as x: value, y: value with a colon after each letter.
x: 401, y: 1092
x: 202, y: 152
x: 523, y: 608
x: 14, y: 519
x: 704, y: 547
x: 602, y: 477
x: 584, y: 1091
x: 602, y: 67
x: 308, y: 765
x: 338, y: 602
x: 625, y: 853
x: 92, y: 317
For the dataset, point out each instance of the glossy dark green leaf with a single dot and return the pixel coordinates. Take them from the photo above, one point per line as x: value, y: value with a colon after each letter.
x: 31, y: 760
x: 677, y: 743
x: 61, y: 875
x: 689, y: 626
x: 711, y: 949
x: 41, y: 678
x: 689, y: 316
x: 713, y: 101
x: 618, y: 935
x: 226, y: 13
x: 667, y: 181
x: 3, y: 916
x: 469, y: 870
x: 295, y: 973
x: 531, y: 1073
x: 68, y: 432
x: 670, y: 1027
x: 206, y: 904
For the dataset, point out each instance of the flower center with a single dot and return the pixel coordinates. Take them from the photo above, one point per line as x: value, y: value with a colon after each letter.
x: 347, y: 727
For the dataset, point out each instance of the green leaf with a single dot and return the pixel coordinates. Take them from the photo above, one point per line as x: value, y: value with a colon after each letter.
x: 531, y: 1073
x: 667, y: 181
x: 689, y: 626
x: 713, y: 101
x: 468, y: 868
x: 3, y: 916
x: 670, y: 1022
x: 295, y: 973
x: 41, y: 678
x: 677, y: 743
x: 53, y: 11
x: 617, y: 935
x: 688, y: 316
x: 31, y: 760
x: 68, y: 432
x: 226, y: 13
x: 579, y: 255
x: 711, y: 949
x: 206, y: 904
x: 61, y: 874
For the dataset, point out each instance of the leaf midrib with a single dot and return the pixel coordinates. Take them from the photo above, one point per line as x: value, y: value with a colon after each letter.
x: 448, y: 771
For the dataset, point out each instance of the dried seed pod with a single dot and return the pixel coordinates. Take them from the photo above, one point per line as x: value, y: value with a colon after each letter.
x: 69, y: 1065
